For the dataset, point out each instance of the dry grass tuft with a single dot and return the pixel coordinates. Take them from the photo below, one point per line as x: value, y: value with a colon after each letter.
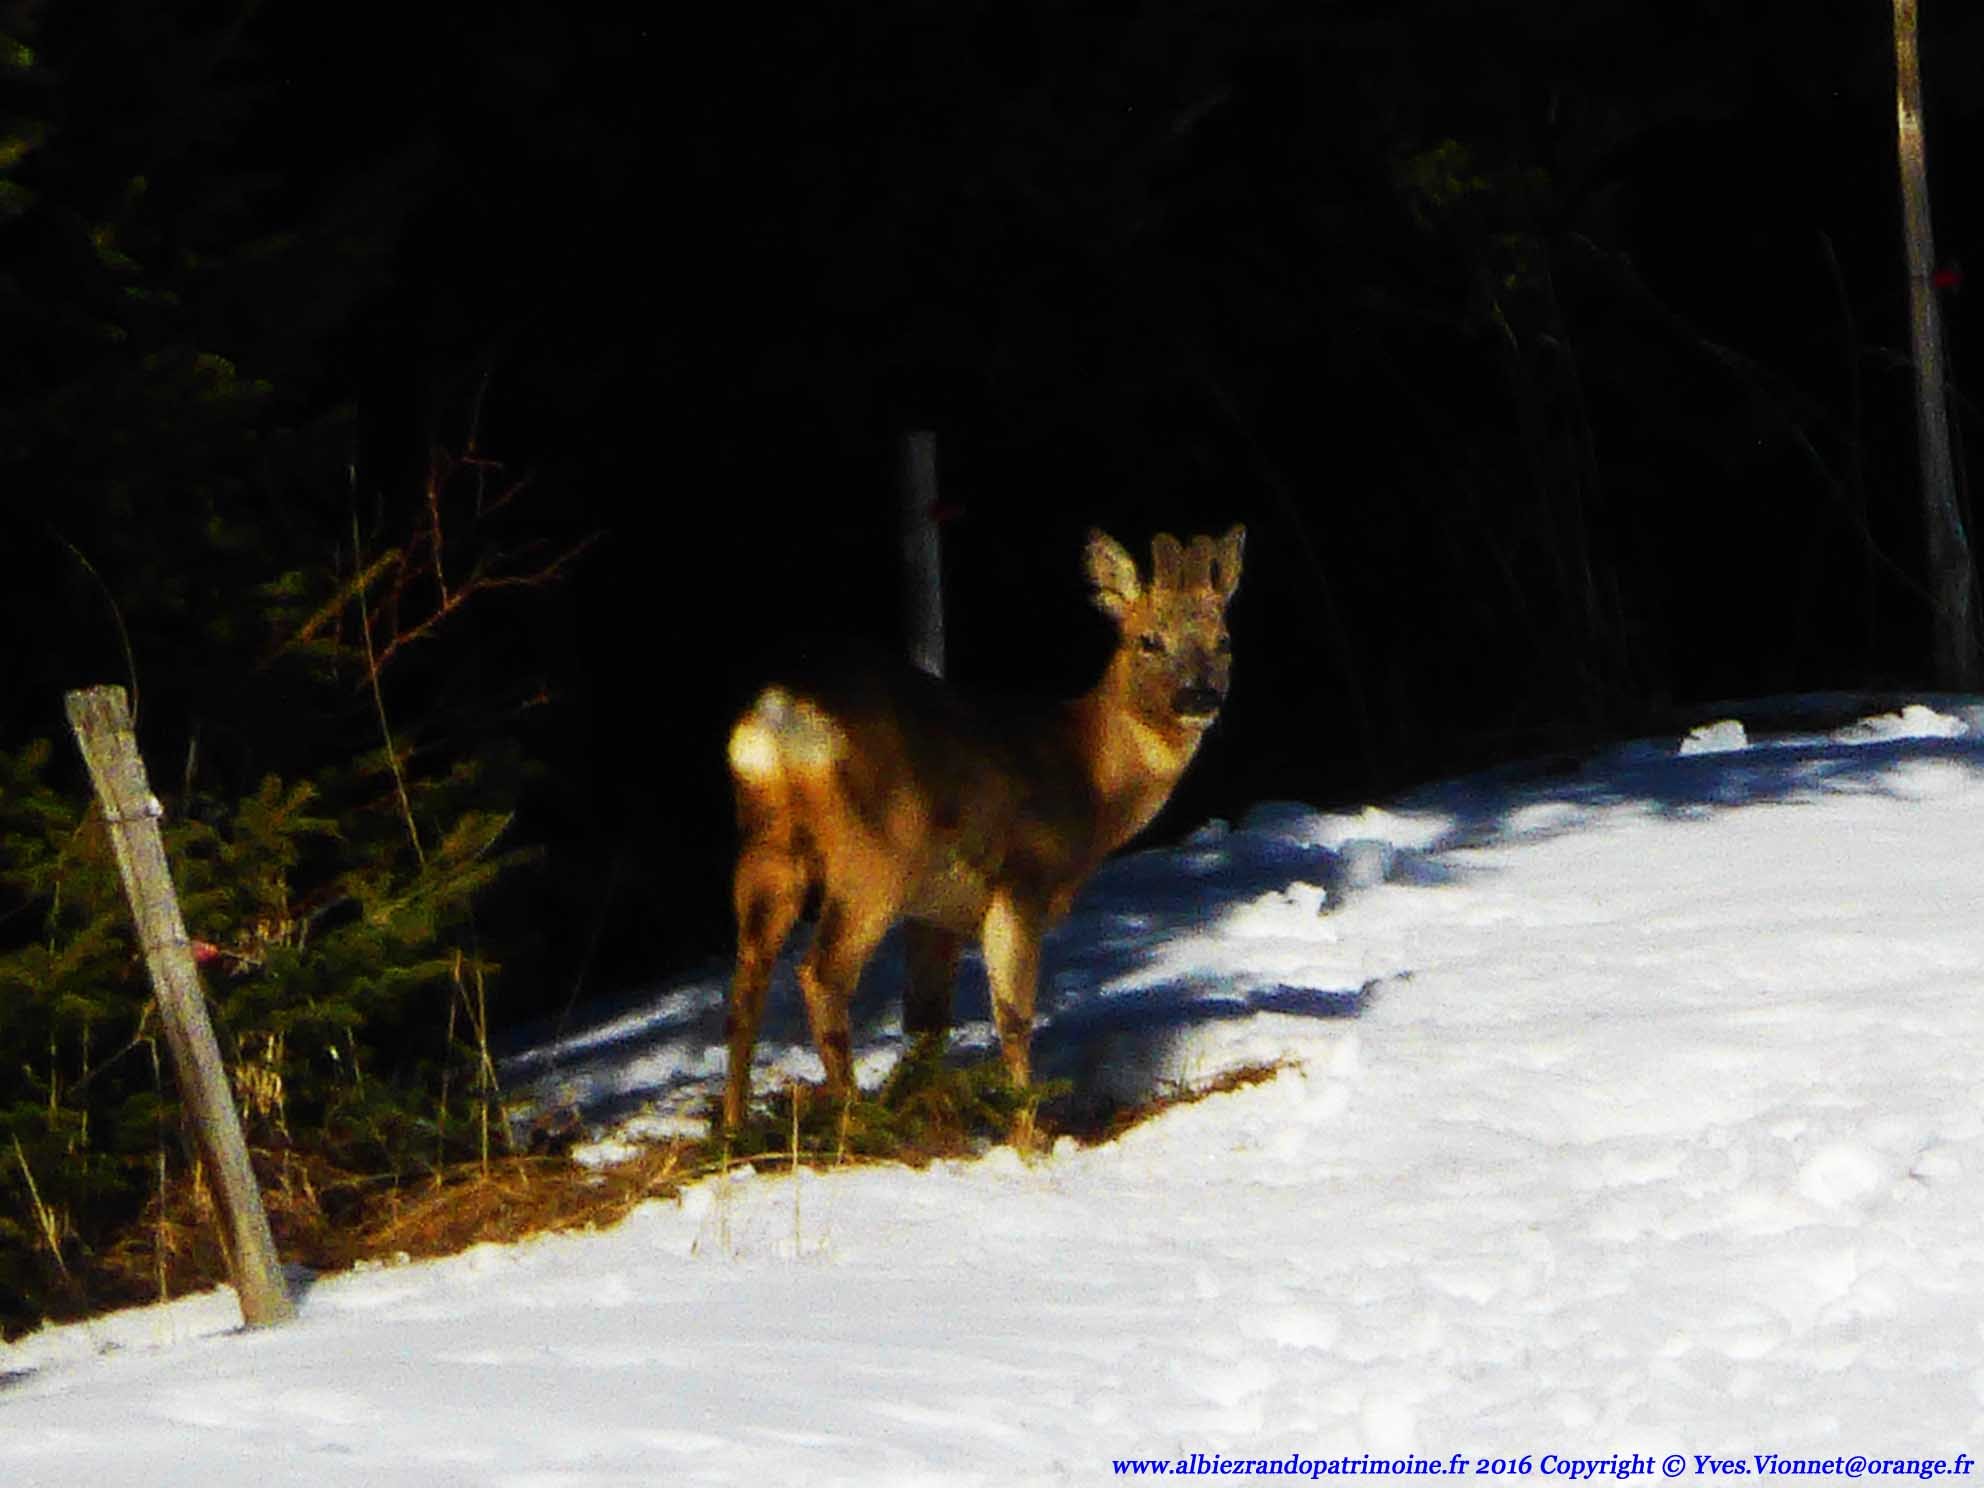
x: 1109, y: 1123
x: 519, y: 1197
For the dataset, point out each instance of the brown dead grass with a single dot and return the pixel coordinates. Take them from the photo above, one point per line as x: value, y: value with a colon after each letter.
x: 327, y: 1220
x: 519, y: 1197
x: 1111, y: 1122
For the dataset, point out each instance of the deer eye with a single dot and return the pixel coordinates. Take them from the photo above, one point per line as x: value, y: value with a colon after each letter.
x: 1223, y: 645
x: 1151, y: 641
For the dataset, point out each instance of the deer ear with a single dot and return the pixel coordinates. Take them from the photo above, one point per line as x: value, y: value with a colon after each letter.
x: 1226, y: 562
x: 1113, y: 572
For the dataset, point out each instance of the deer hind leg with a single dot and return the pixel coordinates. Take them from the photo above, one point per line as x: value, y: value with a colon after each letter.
x: 770, y: 891
x: 845, y: 938
x: 1011, y: 936
x: 932, y: 954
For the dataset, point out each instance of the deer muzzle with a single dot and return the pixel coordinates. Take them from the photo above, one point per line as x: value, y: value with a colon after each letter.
x: 1197, y: 702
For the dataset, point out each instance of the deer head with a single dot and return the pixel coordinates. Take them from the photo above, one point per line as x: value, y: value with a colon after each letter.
x: 1173, y: 660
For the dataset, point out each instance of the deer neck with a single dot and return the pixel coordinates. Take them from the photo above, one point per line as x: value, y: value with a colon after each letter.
x: 1132, y: 762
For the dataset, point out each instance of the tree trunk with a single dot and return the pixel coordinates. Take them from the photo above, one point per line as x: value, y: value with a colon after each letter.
x: 923, y: 571
x: 1952, y: 580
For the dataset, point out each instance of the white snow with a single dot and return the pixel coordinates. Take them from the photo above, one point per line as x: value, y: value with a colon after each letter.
x: 1719, y: 737
x: 1629, y: 1109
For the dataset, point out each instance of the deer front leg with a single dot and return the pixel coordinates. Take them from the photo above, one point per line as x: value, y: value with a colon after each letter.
x: 1011, y: 937
x: 932, y: 955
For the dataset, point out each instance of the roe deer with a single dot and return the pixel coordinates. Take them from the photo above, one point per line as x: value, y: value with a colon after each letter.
x: 888, y: 796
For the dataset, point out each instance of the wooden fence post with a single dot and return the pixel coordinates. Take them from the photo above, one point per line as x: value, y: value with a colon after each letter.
x: 923, y: 569
x: 103, y: 728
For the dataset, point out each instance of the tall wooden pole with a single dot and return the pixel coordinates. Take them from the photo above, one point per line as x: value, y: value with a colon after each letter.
x: 923, y: 568
x: 1952, y: 579
x: 102, y: 724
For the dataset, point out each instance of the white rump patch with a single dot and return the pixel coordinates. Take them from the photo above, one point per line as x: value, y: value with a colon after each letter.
x: 783, y: 732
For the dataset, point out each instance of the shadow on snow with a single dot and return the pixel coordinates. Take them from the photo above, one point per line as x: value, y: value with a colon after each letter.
x: 1112, y: 1017
x: 1797, y: 750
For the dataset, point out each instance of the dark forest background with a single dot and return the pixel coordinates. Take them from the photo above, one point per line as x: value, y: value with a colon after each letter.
x: 550, y: 371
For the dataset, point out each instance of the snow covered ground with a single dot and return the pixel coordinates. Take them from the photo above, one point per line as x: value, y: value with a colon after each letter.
x: 1633, y: 1108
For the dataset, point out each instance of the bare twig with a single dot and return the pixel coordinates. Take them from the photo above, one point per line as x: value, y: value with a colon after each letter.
x: 116, y: 616
x: 480, y: 582
x: 51, y: 1233
x: 354, y: 587
x: 379, y: 703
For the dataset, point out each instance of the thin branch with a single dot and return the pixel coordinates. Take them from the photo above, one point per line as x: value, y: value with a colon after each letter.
x: 45, y: 1217
x: 481, y: 583
x: 379, y: 702
x: 355, y: 586
x: 434, y: 524
x: 116, y: 616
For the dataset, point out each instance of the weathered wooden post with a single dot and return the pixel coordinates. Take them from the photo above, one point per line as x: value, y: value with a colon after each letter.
x: 102, y: 724
x: 923, y: 568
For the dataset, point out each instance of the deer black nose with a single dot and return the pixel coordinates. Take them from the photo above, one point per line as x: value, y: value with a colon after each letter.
x: 1196, y: 702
